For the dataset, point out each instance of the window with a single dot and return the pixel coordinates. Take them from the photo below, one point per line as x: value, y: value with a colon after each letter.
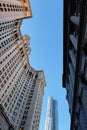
x: 8, y: 99
x: 5, y: 104
x: 19, y: 100
x: 0, y: 80
x: 18, y: 104
x: 10, y: 95
x: 1, y: 7
x: 14, y: 113
x: 2, y: 76
x: 10, y: 110
x: 36, y: 76
x: 26, y: 8
x: 2, y: 85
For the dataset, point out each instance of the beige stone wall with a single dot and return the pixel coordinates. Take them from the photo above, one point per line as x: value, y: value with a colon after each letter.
x: 14, y: 9
x: 18, y: 81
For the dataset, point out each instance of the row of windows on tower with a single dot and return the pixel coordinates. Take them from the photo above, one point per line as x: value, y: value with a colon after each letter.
x: 9, y: 24
x: 7, y: 7
x: 8, y: 42
x: 7, y: 74
x: 5, y: 96
x: 16, y: 94
x: 7, y: 56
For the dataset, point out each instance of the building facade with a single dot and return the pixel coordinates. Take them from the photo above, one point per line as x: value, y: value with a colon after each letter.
x: 51, y: 122
x: 4, y: 121
x: 14, y: 9
x: 31, y: 116
x: 21, y: 87
x: 75, y: 61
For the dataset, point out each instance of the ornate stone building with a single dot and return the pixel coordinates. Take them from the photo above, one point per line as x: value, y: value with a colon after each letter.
x: 4, y: 121
x: 75, y: 61
x: 21, y: 87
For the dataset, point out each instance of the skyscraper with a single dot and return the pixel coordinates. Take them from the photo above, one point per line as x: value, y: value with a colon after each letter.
x: 14, y: 9
x: 51, y: 122
x: 21, y: 87
x: 75, y: 61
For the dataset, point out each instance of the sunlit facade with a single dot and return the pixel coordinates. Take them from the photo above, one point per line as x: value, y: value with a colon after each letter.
x: 21, y: 87
x: 75, y: 61
x: 14, y: 9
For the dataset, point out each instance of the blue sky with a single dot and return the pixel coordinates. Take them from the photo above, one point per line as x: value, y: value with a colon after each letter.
x: 46, y: 32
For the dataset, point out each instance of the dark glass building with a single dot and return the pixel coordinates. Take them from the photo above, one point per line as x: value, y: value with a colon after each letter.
x: 75, y: 61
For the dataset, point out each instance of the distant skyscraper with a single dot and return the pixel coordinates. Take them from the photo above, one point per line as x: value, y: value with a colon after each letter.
x: 75, y: 61
x: 51, y: 122
x: 21, y: 87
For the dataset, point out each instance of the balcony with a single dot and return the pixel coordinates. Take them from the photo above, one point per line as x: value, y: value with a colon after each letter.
x: 75, y: 20
x: 74, y: 41
x: 72, y: 73
x: 71, y: 85
x: 73, y: 58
